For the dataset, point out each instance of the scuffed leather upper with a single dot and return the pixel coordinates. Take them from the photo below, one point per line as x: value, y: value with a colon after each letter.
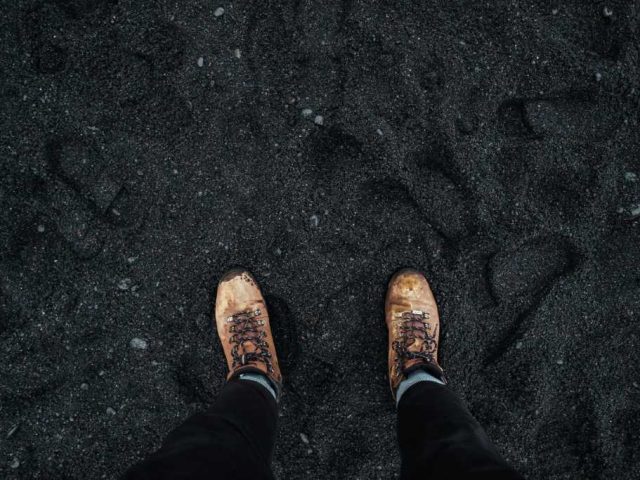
x: 412, y: 318
x: 241, y: 313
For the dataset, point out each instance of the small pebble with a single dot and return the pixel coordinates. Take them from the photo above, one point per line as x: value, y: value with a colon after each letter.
x: 635, y: 384
x: 124, y: 284
x: 379, y: 132
x: 15, y: 463
x: 635, y: 211
x: 319, y: 120
x: 111, y: 411
x: 13, y: 430
x: 628, y: 176
x: 598, y: 76
x: 84, y: 386
x: 237, y: 53
x: 315, y: 221
x: 607, y: 12
x: 307, y: 112
x: 278, y: 252
x: 554, y: 11
x: 40, y: 228
x: 219, y: 12
x: 138, y: 343
x: 519, y: 345
x: 304, y: 438
x: 560, y: 362
x: 201, y: 62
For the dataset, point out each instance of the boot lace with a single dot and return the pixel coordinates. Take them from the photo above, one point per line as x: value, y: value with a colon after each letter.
x: 415, y: 326
x: 246, y: 328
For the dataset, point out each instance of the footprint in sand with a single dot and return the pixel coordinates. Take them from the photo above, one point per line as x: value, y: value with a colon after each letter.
x: 579, y: 116
x: 432, y: 178
x: 44, y: 32
x: 84, y: 198
x: 525, y: 271
x: 519, y: 279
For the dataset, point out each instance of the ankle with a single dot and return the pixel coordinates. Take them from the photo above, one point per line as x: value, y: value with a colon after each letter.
x: 261, y: 378
x: 417, y: 376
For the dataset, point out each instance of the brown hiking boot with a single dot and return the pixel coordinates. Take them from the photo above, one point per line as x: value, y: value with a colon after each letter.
x: 243, y: 326
x: 412, y: 318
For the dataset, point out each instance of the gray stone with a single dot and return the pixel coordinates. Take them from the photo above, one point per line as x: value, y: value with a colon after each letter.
x: 13, y: 430
x: 138, y: 343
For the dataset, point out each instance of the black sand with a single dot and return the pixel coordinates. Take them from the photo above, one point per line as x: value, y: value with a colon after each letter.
x: 492, y: 144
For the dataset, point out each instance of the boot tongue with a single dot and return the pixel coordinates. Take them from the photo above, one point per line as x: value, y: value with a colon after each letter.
x: 251, y: 335
x: 248, y: 347
x: 417, y: 343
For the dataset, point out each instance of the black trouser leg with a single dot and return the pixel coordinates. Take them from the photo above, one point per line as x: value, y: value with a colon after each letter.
x: 233, y: 440
x: 440, y: 439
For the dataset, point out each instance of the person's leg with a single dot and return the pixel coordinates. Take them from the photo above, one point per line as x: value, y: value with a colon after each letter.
x: 234, y: 439
x: 439, y: 439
